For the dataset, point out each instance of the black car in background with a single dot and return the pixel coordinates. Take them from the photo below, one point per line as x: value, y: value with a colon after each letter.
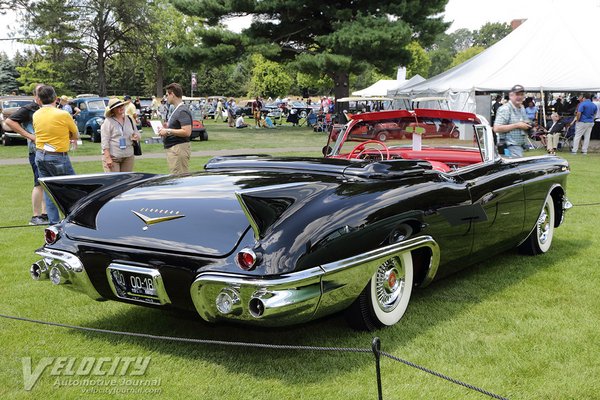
x: 8, y: 105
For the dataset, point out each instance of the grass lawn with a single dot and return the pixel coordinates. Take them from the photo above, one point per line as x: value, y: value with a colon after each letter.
x: 220, y: 137
x: 522, y: 327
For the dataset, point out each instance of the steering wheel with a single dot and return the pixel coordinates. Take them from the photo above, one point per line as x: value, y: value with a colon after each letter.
x: 361, y: 148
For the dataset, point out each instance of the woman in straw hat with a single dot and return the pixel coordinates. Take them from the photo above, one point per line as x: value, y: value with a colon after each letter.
x: 117, y: 133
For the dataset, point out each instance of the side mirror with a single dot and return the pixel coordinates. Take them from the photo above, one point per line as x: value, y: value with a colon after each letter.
x: 326, y: 150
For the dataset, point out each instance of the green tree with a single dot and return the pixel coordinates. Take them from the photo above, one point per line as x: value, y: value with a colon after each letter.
x: 441, y: 59
x: 335, y: 38
x: 490, y: 33
x: 8, y: 75
x: 40, y: 70
x: 365, y: 79
x: 95, y: 29
x: 465, y: 55
x: 168, y: 28
x: 419, y: 61
x: 268, y: 78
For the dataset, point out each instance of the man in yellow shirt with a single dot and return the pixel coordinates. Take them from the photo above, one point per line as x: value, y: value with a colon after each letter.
x: 54, y: 131
x: 130, y: 109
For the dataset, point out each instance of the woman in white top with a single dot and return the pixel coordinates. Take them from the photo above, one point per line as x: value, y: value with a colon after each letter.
x: 117, y: 133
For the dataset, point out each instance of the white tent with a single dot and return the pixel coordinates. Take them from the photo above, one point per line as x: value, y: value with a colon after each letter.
x: 379, y: 88
x: 388, y: 88
x: 551, y: 52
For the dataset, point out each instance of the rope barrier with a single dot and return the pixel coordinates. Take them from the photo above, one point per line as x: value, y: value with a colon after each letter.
x: 19, y: 226
x: 375, y: 349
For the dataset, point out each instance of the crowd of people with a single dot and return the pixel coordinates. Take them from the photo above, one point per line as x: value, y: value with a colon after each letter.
x: 48, y: 125
x: 517, y: 118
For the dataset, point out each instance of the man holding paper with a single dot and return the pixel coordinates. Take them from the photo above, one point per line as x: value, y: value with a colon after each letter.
x: 176, y: 131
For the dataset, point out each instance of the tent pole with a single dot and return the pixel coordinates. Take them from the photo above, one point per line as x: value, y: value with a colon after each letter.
x: 543, y: 106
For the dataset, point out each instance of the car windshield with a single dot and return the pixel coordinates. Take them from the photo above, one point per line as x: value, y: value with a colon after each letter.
x: 457, y: 142
x: 145, y: 103
x: 96, y: 105
x: 15, y: 103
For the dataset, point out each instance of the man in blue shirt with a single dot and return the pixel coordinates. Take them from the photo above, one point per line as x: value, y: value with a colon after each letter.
x: 586, y: 110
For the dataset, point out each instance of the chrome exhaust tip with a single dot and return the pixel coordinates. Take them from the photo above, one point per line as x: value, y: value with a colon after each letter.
x: 38, y: 271
x: 56, y: 276
x: 256, y: 307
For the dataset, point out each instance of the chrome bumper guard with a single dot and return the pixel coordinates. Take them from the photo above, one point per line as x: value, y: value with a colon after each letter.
x: 299, y: 296
x: 63, y: 268
x: 566, y: 205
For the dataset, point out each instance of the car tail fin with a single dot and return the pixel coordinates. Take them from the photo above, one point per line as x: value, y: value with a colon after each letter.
x: 267, y: 205
x: 69, y: 192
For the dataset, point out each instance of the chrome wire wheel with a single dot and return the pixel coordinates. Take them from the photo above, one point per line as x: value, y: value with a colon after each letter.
x: 544, y: 229
x: 540, y: 238
x: 543, y: 225
x: 391, y: 286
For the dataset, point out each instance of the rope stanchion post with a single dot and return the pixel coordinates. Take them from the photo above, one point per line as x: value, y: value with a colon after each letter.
x: 376, y: 347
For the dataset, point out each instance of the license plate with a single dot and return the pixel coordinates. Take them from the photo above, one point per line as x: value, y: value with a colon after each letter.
x: 140, y: 284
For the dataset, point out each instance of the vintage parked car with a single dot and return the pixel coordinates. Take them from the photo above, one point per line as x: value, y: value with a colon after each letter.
x: 8, y: 105
x: 91, y: 115
x: 279, y: 241
x: 198, y: 129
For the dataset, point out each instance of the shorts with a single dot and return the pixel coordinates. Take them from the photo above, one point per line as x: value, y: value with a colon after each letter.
x: 34, y: 167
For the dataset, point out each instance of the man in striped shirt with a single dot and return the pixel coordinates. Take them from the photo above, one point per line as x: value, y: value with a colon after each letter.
x: 511, y: 123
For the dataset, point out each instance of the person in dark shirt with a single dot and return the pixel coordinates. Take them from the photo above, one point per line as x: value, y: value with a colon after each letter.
x: 176, y: 131
x: 495, y: 107
x: 21, y: 121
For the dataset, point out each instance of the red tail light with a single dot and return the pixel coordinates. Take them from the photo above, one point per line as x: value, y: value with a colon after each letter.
x: 246, y: 259
x: 51, y: 235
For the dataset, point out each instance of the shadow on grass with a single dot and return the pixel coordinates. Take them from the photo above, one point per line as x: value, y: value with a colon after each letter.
x: 440, y: 302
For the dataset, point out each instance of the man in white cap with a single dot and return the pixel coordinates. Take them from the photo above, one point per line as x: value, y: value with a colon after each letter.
x: 511, y: 123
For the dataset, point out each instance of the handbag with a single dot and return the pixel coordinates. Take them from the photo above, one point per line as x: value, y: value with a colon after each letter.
x: 137, y: 147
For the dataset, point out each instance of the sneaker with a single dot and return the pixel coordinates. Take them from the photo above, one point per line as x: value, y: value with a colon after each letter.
x: 35, y: 220
x: 44, y: 217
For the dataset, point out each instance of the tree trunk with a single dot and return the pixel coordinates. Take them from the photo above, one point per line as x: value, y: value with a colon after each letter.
x: 341, y: 80
x: 159, y: 71
x: 101, y: 74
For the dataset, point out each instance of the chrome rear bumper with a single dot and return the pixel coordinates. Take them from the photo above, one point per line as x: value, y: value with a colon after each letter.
x: 298, y: 296
x: 63, y: 268
x: 271, y: 301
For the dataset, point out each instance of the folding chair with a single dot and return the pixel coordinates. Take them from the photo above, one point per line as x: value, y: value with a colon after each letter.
x: 565, y: 141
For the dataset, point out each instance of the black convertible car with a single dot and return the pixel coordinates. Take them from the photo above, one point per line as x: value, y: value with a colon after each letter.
x: 279, y: 241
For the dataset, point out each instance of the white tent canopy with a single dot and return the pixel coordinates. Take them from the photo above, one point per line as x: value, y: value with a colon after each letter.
x: 388, y: 88
x: 551, y: 52
x: 379, y: 88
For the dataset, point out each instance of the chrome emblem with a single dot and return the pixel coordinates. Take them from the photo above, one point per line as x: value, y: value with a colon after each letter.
x: 167, y: 216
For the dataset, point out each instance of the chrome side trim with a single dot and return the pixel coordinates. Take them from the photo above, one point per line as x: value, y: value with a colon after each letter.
x: 400, y: 247
x: 344, y: 280
x: 71, y: 268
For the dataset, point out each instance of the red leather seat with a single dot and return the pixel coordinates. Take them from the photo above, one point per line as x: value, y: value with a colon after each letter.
x: 439, y: 166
